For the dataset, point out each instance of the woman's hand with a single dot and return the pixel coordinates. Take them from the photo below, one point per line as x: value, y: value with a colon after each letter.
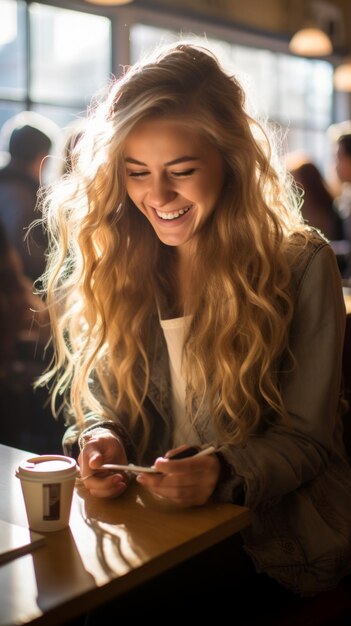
x: 186, y: 482
x: 100, y: 448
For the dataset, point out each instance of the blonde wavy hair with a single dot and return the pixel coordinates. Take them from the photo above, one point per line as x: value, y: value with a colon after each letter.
x: 107, y: 267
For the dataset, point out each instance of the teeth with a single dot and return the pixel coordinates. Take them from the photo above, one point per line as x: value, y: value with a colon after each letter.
x: 172, y: 215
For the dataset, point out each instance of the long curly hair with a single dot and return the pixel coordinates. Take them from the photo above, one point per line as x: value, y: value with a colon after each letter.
x: 107, y: 267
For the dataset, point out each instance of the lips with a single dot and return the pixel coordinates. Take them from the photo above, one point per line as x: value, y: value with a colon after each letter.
x: 170, y: 216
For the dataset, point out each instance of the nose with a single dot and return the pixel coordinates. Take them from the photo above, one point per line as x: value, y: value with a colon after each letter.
x: 160, y: 192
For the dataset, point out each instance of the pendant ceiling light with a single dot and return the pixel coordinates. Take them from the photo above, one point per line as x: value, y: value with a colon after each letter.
x: 317, y: 23
x: 342, y: 76
x: 311, y: 41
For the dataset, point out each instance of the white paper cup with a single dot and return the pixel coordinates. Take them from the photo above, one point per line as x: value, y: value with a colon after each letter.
x: 47, y: 483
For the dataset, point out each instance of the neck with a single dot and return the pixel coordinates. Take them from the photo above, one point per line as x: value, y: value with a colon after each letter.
x: 184, y: 280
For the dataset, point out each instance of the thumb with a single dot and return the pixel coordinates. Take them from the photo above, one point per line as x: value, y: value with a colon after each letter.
x: 95, y: 460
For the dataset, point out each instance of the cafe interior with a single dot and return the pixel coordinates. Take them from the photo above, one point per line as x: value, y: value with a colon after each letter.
x: 294, y: 59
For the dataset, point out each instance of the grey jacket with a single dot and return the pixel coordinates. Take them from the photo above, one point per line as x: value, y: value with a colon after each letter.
x: 296, y: 479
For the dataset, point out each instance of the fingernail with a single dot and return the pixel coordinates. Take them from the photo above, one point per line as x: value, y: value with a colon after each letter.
x: 115, y: 479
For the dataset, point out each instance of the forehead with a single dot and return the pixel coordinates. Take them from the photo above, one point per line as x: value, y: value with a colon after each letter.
x: 166, y: 135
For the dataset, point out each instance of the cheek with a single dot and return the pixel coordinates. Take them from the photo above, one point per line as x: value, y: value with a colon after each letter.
x: 133, y: 192
x: 212, y: 187
x: 130, y: 187
x: 137, y: 201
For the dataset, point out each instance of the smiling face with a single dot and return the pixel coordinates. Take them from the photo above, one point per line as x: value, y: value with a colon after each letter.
x: 174, y: 177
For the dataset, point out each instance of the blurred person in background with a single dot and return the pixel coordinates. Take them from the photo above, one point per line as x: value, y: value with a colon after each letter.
x: 24, y: 332
x: 343, y: 171
x: 343, y: 158
x: 26, y: 419
x: 343, y: 201
x: 27, y: 138
x: 317, y: 206
x: 17, y: 305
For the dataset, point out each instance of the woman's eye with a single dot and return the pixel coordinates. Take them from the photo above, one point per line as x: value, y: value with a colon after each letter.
x: 137, y: 174
x: 188, y: 172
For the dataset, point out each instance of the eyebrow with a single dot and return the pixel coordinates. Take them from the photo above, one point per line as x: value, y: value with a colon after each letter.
x: 182, y: 159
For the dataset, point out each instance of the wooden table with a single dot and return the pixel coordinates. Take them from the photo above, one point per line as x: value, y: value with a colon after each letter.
x: 110, y: 547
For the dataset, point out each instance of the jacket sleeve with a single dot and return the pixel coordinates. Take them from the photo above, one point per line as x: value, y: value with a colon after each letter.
x: 286, y: 456
x: 74, y: 437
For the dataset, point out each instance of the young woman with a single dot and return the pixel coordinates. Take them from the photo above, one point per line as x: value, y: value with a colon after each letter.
x: 191, y: 306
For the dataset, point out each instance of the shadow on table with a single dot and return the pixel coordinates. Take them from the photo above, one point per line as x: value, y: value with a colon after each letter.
x: 60, y: 574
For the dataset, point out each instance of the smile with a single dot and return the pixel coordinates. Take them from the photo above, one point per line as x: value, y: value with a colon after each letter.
x: 172, y: 215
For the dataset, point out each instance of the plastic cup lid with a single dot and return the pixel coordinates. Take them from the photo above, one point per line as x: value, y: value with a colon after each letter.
x: 47, y: 466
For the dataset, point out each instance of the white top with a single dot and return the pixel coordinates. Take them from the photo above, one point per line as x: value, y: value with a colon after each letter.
x: 174, y: 331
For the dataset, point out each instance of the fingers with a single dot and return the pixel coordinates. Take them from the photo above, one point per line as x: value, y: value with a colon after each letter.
x: 98, y: 450
x: 108, y: 487
x: 187, y: 482
x: 90, y: 459
x: 194, y: 494
x: 187, y: 465
x: 184, y: 498
x: 181, y: 450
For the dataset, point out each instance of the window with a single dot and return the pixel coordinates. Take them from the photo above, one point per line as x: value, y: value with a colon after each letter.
x: 53, y: 59
x: 65, y: 60
x: 12, y: 58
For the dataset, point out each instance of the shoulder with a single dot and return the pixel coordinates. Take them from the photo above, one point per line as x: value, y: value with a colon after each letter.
x: 306, y: 250
x: 316, y: 287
